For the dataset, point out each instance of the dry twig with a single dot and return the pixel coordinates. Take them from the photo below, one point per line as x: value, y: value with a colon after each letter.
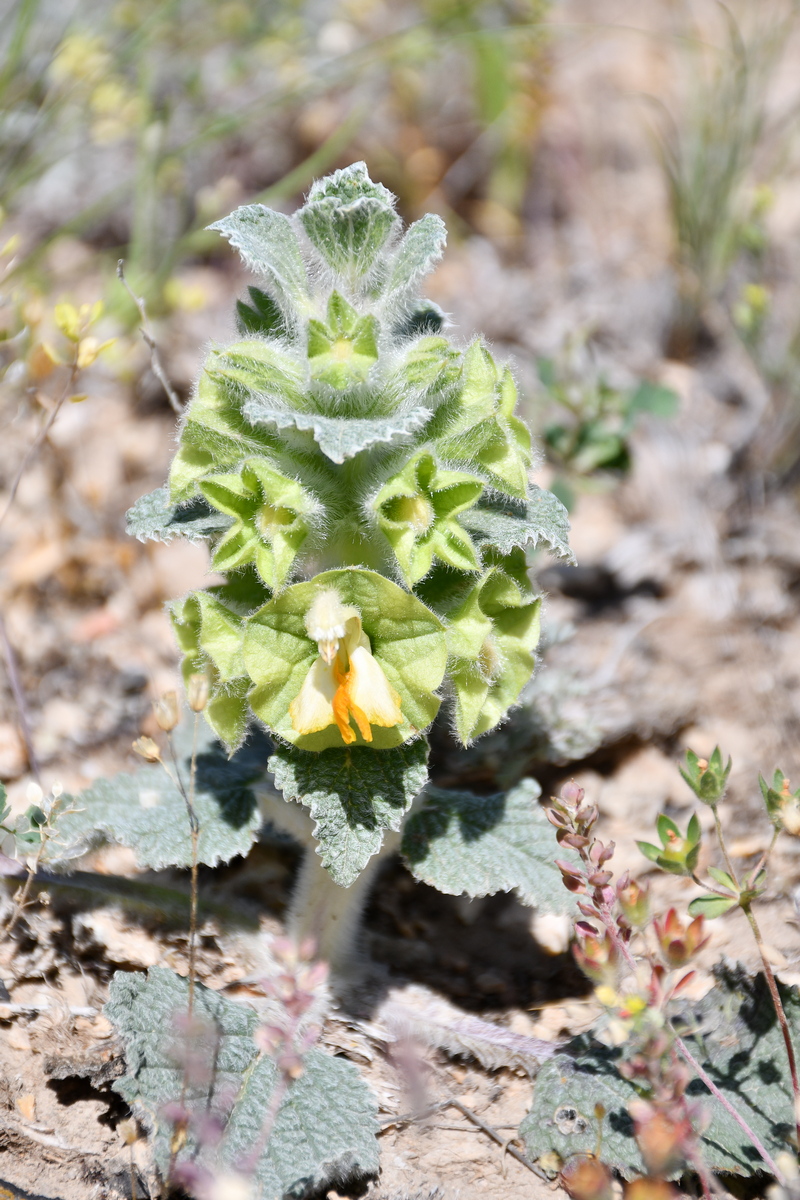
x: 147, y: 334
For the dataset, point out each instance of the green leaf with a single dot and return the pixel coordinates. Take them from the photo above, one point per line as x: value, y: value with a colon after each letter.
x: 733, y: 1032
x: 407, y: 641
x: 325, y: 1127
x: 460, y: 843
x: 504, y: 522
x: 262, y: 316
x: 650, y: 851
x: 146, y: 811
x: 418, y: 253
x: 353, y: 795
x: 339, y: 438
x: 723, y: 878
x: 349, y: 219
x: 154, y: 517
x: 268, y: 244
x: 711, y: 906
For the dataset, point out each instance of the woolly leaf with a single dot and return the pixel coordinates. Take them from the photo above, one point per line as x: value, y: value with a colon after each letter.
x: 348, y: 218
x: 503, y: 523
x: 268, y: 244
x: 338, y: 438
x: 154, y: 517
x: 733, y: 1032
x: 353, y: 794
x: 460, y: 843
x: 146, y: 811
x: 418, y: 253
x: 325, y: 1127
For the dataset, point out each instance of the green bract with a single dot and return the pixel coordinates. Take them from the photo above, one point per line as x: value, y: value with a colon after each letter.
x: 344, y: 437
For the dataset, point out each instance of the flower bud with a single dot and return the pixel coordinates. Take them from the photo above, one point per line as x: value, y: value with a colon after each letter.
x: 596, y: 954
x: 147, y: 749
x: 167, y: 711
x: 197, y: 692
x: 647, y: 1188
x: 661, y: 1137
x: 572, y: 795
x: 634, y: 902
x: 587, y: 1178
x: 678, y: 943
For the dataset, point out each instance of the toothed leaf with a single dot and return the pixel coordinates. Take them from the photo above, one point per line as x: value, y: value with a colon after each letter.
x: 353, y: 794
x: 503, y: 523
x: 154, y: 517
x: 460, y: 843
x: 268, y: 244
x: 145, y: 810
x: 339, y: 438
x: 325, y: 1127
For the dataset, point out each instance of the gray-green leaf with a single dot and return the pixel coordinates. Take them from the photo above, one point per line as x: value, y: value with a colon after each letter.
x: 325, y: 1127
x: 353, y: 795
x: 418, y: 253
x: 146, y: 811
x: 458, y: 843
x: 154, y: 517
x: 504, y: 523
x: 268, y: 244
x: 339, y: 438
x: 732, y: 1032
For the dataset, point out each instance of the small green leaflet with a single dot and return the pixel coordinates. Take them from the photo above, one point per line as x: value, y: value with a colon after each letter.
x: 458, y: 843
x: 503, y: 522
x: 325, y: 1128
x: 154, y: 517
x: 144, y: 809
x: 354, y: 794
x: 339, y: 438
x: 732, y: 1032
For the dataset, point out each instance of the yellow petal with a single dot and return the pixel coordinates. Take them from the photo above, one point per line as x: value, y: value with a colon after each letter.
x: 312, y: 707
x: 369, y: 690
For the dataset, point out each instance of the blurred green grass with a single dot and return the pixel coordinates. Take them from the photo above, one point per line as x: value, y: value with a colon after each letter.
x: 133, y: 125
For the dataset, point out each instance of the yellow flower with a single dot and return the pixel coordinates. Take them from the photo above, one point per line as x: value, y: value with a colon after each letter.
x: 345, y: 681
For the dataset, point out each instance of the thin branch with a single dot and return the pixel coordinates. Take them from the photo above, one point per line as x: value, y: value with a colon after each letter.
x: 491, y: 1132
x: 147, y: 334
x: 39, y: 440
x: 726, y: 1104
x: 19, y: 700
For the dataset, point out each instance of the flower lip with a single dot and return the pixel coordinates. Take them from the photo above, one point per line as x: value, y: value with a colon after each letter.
x: 345, y: 681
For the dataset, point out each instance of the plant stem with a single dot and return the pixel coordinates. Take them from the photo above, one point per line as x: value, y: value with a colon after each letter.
x: 779, y: 1013
x: 723, y: 847
x: 726, y: 1104
x: 194, y: 831
x: 155, y: 358
x: 768, y: 973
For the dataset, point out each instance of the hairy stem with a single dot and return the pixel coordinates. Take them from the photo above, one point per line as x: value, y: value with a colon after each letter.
x: 330, y: 914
